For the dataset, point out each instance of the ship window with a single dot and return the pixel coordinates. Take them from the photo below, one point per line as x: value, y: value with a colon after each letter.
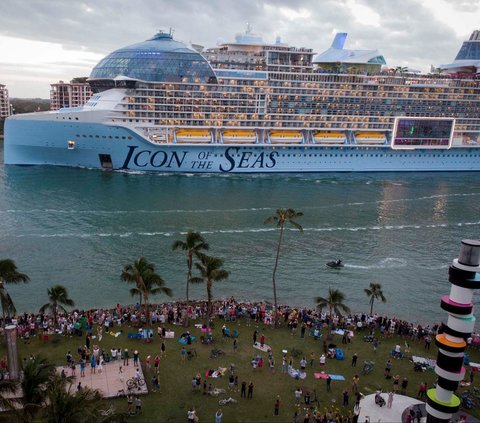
x: 76, y: 118
x: 123, y: 138
x: 117, y: 137
x: 129, y: 138
x: 90, y: 136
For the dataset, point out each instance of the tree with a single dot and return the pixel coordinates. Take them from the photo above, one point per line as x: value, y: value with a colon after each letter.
x: 153, y: 285
x: 374, y: 292
x: 281, y: 218
x: 334, y: 302
x: 9, y: 275
x: 211, y: 271
x: 66, y: 404
x: 142, y: 273
x: 193, y: 246
x: 58, y: 297
x: 37, y: 374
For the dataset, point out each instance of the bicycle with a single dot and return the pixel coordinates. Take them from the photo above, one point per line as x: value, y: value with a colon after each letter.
x: 367, y: 367
x: 135, y: 383
x: 226, y: 401
x: 216, y: 353
x: 107, y: 412
x: 215, y: 392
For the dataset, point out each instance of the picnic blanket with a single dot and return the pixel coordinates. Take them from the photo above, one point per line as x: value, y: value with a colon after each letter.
x: 183, y: 340
x: 475, y: 366
x: 199, y: 325
x: 339, y: 355
x: 115, y: 334
x: 170, y: 334
x: 341, y: 332
x: 325, y: 376
x: 265, y: 347
x: 296, y: 374
x: 216, y: 373
x: 429, y: 362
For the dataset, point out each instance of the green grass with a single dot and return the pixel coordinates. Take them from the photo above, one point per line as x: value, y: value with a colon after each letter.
x: 176, y: 395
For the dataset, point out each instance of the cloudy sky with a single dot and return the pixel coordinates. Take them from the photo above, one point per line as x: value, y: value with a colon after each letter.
x: 43, y: 41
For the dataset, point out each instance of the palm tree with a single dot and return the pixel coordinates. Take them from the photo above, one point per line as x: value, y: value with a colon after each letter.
x: 334, y: 302
x: 142, y: 273
x: 58, y: 297
x: 281, y: 218
x: 153, y: 285
x: 211, y: 271
x: 9, y: 274
x: 37, y: 374
x: 193, y: 245
x: 66, y: 404
x: 374, y: 292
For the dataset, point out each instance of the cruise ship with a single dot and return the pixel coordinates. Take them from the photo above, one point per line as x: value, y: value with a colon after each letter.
x: 250, y: 106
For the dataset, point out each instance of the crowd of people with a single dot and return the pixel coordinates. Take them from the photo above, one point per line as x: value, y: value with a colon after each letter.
x: 301, y: 320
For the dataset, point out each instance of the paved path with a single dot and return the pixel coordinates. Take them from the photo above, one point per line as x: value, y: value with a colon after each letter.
x: 110, y: 382
x: 384, y: 414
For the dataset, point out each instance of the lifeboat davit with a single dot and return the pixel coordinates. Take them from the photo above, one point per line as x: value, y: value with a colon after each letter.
x: 286, y: 137
x: 240, y: 137
x: 193, y: 136
x: 370, y: 138
x: 329, y: 137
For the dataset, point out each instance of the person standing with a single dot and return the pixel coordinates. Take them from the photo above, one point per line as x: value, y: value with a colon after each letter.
x: 276, y: 407
x: 235, y: 345
x: 404, y: 385
x: 135, y: 358
x: 262, y: 340
x: 183, y: 354
x: 388, y: 368
x: 354, y: 360
x: 345, y: 398
x: 126, y: 356
x: 298, y: 395
x: 255, y: 333
x: 329, y: 382
x: 312, y: 358
x: 284, y: 364
x: 390, y: 399
x: 138, y: 405
x: 163, y: 350
x: 243, y: 390
x: 250, y: 390
x: 218, y: 416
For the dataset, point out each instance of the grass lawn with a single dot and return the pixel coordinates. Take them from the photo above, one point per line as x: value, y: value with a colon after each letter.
x: 176, y: 394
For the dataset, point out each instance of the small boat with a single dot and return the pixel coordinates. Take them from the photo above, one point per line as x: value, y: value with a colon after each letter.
x: 237, y: 136
x: 329, y: 137
x: 193, y: 136
x: 370, y: 138
x: 286, y: 137
x: 335, y: 264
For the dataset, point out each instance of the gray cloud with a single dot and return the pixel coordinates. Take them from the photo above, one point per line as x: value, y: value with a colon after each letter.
x: 408, y: 33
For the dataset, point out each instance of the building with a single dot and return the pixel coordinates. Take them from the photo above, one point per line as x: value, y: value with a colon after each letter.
x: 69, y: 94
x: 5, y: 106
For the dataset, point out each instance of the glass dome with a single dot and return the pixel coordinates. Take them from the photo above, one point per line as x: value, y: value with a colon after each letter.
x: 159, y: 59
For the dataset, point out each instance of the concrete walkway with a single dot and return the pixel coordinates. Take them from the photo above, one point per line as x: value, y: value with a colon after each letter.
x: 110, y: 382
x: 384, y: 414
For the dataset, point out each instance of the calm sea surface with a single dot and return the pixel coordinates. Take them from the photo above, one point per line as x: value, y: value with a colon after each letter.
x: 79, y: 228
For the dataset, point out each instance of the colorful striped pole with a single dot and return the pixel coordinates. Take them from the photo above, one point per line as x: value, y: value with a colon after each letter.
x: 441, y: 402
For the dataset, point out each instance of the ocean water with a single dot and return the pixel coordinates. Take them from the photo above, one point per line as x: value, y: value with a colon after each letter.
x: 80, y: 227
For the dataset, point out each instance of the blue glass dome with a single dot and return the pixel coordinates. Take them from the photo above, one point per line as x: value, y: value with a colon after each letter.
x: 159, y: 59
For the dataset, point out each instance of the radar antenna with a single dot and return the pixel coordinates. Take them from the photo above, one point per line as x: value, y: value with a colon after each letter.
x: 249, y: 28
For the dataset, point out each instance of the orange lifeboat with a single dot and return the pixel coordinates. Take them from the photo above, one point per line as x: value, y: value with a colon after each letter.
x: 233, y: 136
x: 286, y: 137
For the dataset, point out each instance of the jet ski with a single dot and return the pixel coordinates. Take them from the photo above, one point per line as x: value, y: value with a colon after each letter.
x: 335, y: 264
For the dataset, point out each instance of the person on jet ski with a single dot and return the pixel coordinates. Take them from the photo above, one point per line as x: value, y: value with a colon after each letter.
x: 338, y: 262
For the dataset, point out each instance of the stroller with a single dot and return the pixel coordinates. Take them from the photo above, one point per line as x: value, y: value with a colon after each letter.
x: 368, y: 366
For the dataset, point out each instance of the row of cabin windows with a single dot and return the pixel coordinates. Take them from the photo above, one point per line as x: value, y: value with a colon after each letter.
x: 117, y: 137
